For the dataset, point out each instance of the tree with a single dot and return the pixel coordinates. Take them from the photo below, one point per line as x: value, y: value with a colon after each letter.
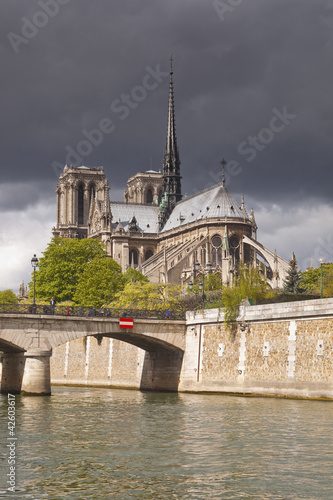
x: 99, y: 282
x: 62, y: 265
x: 293, y: 281
x: 134, y: 276
x: 149, y: 296
x: 312, y: 280
x: 8, y: 297
x: 213, y: 282
x: 249, y: 284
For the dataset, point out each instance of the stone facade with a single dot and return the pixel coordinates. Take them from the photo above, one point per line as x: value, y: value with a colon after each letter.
x: 145, y: 188
x: 107, y: 362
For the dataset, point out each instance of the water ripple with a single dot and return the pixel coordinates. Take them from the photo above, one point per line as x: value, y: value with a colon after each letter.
x: 101, y: 444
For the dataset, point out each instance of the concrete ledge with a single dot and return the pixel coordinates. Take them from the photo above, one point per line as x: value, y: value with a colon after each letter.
x: 304, y: 390
x: 268, y: 312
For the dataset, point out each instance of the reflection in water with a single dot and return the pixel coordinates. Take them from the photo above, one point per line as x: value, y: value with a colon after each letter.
x: 83, y: 443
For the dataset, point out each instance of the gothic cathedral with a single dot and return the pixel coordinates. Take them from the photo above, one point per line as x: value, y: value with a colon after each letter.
x: 166, y: 237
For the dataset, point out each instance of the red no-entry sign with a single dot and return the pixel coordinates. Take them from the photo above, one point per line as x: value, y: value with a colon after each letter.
x: 125, y: 323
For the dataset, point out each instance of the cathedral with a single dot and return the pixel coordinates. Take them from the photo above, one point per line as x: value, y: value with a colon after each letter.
x: 155, y: 230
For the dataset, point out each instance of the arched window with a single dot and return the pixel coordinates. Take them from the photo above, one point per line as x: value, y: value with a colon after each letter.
x: 148, y: 254
x: 80, y: 198
x: 133, y: 257
x: 234, y: 250
x: 203, y: 255
x: 160, y: 194
x: 216, y: 251
x: 149, y: 197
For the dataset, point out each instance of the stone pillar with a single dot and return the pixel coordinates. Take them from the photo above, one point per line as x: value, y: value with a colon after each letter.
x: 58, y: 191
x: 65, y: 205
x: 86, y: 206
x: 12, y: 372
x: 71, y: 207
x: 37, y: 377
x: 26, y: 373
x: 161, y: 371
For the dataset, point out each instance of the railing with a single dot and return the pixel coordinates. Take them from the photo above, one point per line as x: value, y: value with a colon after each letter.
x: 90, y: 311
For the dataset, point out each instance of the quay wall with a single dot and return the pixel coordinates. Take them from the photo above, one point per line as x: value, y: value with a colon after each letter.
x: 277, y: 349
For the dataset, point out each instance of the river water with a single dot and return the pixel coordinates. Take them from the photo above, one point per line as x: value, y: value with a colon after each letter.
x: 91, y: 443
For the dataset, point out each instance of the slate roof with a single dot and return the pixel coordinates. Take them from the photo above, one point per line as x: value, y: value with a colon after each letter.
x: 213, y: 202
x: 146, y: 216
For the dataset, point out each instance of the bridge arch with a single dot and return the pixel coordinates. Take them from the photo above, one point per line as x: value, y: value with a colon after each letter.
x: 31, y: 338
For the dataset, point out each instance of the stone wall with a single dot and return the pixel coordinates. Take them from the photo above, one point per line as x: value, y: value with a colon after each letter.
x: 279, y: 349
x: 109, y: 363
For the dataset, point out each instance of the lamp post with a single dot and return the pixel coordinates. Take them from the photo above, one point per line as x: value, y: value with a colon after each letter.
x: 196, y: 268
x: 34, y: 263
x: 321, y: 277
x: 190, y: 285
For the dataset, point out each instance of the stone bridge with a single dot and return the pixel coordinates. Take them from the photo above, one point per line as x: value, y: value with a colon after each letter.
x: 27, y: 341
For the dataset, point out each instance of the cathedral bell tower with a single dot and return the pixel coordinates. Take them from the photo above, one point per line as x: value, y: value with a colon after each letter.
x: 171, y: 163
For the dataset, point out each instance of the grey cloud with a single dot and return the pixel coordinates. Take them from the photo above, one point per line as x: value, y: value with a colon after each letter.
x: 228, y: 77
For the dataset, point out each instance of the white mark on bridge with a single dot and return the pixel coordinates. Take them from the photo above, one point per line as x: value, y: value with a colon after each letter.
x: 66, y: 359
x: 110, y: 358
x: 291, y: 349
x: 87, y: 359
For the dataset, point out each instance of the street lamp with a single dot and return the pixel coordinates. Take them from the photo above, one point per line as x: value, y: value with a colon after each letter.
x: 202, y: 282
x: 34, y: 263
x: 321, y: 277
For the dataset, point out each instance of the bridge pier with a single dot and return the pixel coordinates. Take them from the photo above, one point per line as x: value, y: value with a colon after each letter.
x: 12, y: 372
x: 161, y: 370
x: 26, y: 373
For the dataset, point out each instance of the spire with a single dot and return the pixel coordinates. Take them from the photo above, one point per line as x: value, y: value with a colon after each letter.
x: 171, y: 160
x: 223, y: 163
x: 171, y: 152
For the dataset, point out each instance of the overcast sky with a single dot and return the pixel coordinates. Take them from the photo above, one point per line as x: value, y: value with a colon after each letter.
x: 253, y: 84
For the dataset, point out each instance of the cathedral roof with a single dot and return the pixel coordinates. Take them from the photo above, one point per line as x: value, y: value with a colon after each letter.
x: 213, y: 202
x: 146, y: 216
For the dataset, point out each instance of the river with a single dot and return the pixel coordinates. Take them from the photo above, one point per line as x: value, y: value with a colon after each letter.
x: 91, y: 443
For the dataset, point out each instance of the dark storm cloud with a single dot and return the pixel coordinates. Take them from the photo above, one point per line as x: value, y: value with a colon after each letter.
x: 229, y: 76
x: 237, y: 66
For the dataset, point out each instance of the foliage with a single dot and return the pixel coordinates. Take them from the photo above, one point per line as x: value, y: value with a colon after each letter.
x: 293, y: 281
x: 100, y: 281
x: 213, y: 282
x: 62, y: 265
x: 249, y: 284
x: 312, y: 280
x: 8, y: 297
x: 134, y: 276
x: 149, y: 296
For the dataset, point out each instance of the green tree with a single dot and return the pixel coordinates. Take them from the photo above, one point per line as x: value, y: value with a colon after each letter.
x: 312, y: 280
x: 294, y: 279
x: 149, y: 296
x: 100, y: 281
x: 213, y: 282
x: 134, y: 276
x: 62, y: 265
x: 8, y: 297
x: 249, y: 284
